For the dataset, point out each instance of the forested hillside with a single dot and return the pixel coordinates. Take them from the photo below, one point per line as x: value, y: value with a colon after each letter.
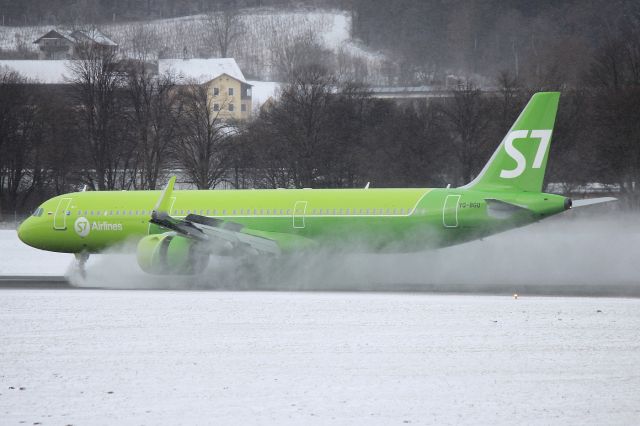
x: 542, y: 43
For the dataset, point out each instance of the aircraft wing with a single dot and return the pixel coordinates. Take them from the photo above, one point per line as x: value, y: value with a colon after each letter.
x: 208, y: 229
x: 592, y: 201
x: 232, y: 232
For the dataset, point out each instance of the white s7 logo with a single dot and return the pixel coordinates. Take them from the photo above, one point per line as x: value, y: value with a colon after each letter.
x: 521, y: 161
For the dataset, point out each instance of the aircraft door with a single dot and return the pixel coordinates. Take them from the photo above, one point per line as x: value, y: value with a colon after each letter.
x: 450, y: 211
x: 299, y: 210
x: 60, y: 216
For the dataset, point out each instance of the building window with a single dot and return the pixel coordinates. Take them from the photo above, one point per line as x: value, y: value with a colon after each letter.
x: 216, y: 107
x: 216, y: 91
x: 243, y: 107
x: 230, y: 91
x: 249, y: 92
x: 231, y: 107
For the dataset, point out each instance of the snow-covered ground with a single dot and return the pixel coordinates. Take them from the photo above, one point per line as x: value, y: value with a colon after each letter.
x: 17, y: 258
x: 144, y: 357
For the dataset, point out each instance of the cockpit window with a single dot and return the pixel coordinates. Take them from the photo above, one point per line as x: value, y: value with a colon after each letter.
x: 38, y: 212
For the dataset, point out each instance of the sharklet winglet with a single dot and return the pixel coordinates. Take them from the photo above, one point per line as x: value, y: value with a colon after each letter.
x: 162, y: 206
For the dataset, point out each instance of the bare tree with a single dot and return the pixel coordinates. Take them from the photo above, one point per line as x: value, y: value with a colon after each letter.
x: 292, y: 53
x: 96, y: 79
x: 17, y: 124
x: 222, y: 28
x: 203, y: 149
x: 615, y: 81
x: 298, y: 137
x: 142, y: 42
x: 469, y: 118
x: 154, y: 118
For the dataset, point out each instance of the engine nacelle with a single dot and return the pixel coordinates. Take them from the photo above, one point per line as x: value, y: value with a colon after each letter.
x: 171, y: 254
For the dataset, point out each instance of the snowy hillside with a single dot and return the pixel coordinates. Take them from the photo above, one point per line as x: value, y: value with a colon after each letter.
x: 264, y: 31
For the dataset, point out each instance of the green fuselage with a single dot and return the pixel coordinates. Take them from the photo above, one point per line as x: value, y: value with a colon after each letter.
x: 369, y: 219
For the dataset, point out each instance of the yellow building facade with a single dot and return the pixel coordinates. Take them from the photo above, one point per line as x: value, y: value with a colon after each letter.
x: 229, y: 98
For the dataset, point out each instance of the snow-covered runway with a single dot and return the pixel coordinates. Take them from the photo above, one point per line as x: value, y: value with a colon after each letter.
x: 164, y: 357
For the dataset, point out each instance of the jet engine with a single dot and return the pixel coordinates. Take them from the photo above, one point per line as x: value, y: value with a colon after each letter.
x: 171, y: 254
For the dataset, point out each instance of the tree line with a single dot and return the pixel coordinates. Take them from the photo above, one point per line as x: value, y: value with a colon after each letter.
x: 118, y: 126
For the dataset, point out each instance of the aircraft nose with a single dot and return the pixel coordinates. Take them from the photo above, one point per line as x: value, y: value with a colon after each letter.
x: 25, y: 233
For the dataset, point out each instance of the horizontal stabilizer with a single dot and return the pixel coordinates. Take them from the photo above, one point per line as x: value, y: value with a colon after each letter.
x: 501, y: 209
x: 592, y: 201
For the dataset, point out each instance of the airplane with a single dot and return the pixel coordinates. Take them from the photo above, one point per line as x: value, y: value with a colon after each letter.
x: 178, y: 230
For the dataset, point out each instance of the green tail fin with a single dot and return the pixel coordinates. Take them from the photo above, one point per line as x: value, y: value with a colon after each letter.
x: 520, y: 161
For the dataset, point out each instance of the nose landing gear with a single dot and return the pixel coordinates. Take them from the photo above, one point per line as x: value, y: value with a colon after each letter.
x: 81, y: 261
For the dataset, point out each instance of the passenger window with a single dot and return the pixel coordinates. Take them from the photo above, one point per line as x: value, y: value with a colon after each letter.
x: 110, y: 212
x: 208, y: 212
x: 347, y: 211
x: 255, y: 211
x: 234, y: 212
x: 224, y: 212
x: 98, y: 213
x: 281, y: 212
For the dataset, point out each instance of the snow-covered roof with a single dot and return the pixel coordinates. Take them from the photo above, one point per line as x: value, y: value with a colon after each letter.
x: 76, y: 36
x: 94, y: 35
x: 61, y: 33
x: 262, y: 91
x: 47, y: 72
x: 201, y: 70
